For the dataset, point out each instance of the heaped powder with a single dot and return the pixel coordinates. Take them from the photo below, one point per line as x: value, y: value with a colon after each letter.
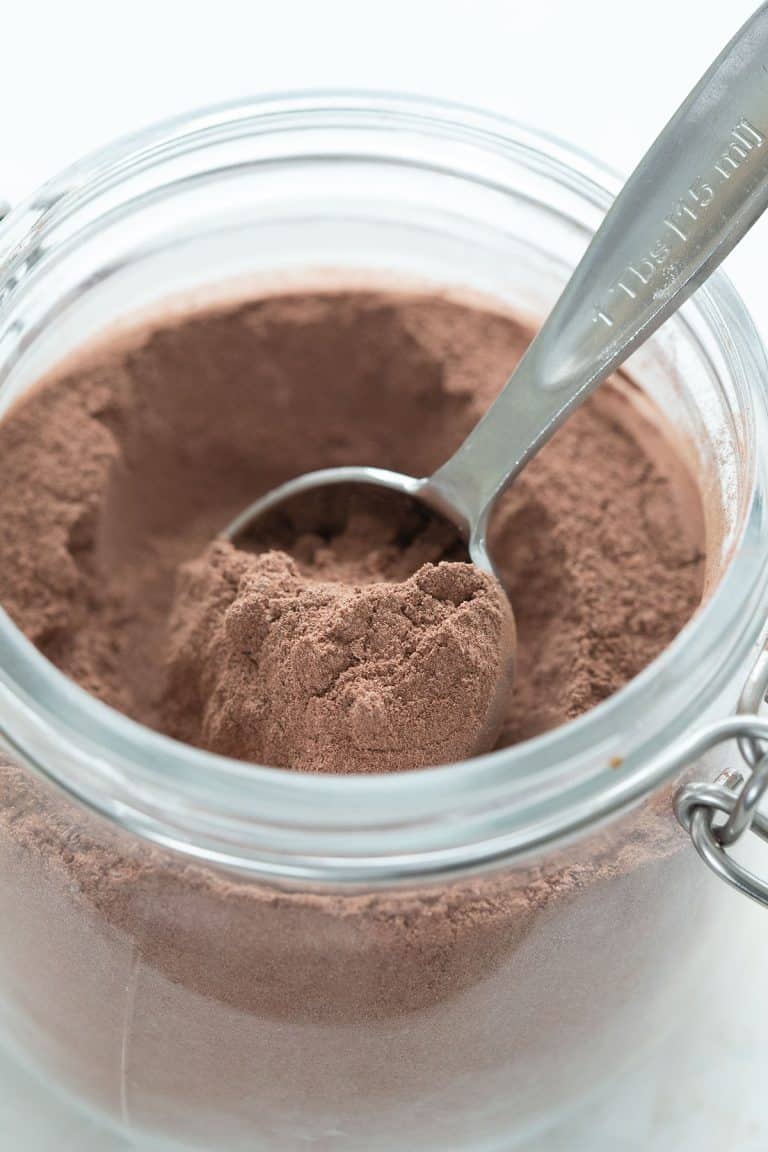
x: 321, y: 675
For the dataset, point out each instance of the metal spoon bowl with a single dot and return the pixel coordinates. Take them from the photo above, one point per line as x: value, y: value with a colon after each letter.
x: 379, y: 478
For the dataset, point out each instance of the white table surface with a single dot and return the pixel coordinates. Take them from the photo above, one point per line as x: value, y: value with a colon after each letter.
x: 604, y: 74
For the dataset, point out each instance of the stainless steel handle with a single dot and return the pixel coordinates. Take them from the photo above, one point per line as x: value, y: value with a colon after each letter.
x: 696, y: 192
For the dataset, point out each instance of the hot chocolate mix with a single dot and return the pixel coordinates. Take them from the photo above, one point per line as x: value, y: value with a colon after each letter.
x: 317, y: 675
x: 120, y: 470
x: 297, y: 1008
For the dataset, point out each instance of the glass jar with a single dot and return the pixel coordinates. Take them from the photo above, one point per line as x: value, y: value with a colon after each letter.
x: 218, y: 954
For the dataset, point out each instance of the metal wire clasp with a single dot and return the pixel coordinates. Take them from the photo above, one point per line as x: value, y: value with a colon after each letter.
x: 717, y: 815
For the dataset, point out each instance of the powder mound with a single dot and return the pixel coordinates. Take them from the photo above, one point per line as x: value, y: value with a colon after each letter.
x: 269, y: 665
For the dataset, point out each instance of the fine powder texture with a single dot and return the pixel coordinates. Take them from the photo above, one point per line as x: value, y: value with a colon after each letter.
x: 122, y: 468
x: 267, y: 665
x: 212, y: 1004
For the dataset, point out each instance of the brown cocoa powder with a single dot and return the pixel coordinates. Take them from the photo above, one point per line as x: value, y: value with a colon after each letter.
x: 122, y: 468
x: 321, y: 675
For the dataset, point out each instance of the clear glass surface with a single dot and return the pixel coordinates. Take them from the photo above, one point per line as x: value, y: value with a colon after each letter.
x: 551, y: 945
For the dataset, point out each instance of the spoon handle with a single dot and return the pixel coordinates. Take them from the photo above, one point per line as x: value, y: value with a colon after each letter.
x: 699, y: 188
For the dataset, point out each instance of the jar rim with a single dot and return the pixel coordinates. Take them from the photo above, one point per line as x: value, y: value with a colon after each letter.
x: 368, y: 829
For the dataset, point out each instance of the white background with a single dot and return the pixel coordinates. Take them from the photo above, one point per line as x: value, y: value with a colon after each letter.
x: 603, y: 74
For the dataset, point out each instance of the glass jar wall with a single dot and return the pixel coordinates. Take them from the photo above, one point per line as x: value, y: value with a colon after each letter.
x: 204, y: 951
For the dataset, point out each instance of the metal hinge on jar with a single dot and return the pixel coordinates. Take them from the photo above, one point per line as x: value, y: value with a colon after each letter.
x: 717, y: 815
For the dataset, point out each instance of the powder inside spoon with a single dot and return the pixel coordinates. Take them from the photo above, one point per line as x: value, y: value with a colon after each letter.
x: 332, y: 659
